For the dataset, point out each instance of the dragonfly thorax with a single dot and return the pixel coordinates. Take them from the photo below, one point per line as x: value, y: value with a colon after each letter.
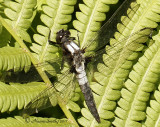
x: 71, y: 47
x: 77, y: 55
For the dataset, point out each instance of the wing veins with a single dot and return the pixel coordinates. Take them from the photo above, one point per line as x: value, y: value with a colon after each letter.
x: 111, y: 24
x: 116, y: 44
x: 45, y: 96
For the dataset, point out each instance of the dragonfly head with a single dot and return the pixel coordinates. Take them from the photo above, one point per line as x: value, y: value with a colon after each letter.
x: 62, y: 34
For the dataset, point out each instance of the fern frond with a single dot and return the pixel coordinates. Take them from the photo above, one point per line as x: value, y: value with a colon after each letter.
x: 138, y: 88
x: 111, y: 74
x: 34, y: 122
x: 90, y: 18
x: 56, y: 15
x: 119, y: 59
x: 13, y: 58
x: 20, y: 16
x: 18, y: 95
x: 153, y: 111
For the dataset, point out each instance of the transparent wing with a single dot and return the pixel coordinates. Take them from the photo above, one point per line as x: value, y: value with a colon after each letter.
x: 29, y: 73
x: 102, y: 37
x: 66, y: 87
x: 62, y: 89
x: 122, y: 49
x: 41, y: 101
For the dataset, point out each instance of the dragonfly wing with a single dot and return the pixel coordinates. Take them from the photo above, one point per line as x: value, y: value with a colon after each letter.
x: 110, y: 27
x: 30, y: 74
x: 41, y: 101
x: 123, y: 49
x: 66, y: 86
x: 101, y: 39
x: 62, y: 89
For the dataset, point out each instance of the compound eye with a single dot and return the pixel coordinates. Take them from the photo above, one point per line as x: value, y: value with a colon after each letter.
x: 67, y: 33
x: 59, y: 38
x: 60, y: 31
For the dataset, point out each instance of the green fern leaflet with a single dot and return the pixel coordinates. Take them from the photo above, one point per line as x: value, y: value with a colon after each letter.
x: 124, y: 80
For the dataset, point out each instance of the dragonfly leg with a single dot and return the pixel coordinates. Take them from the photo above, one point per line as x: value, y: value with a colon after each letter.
x: 62, y: 64
x: 78, y: 38
x: 87, y: 60
x: 52, y: 42
x: 72, y: 69
x: 72, y: 38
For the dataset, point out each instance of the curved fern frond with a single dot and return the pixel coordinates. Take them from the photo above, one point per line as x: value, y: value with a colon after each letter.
x: 20, y: 16
x: 138, y: 88
x: 118, y: 62
x: 13, y: 58
x: 153, y: 111
x: 56, y: 15
x: 90, y: 18
x: 18, y: 95
x: 111, y: 75
x: 34, y: 122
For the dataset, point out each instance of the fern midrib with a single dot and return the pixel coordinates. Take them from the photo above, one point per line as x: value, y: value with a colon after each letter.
x: 57, y: 12
x: 84, y: 41
x: 44, y: 52
x: 157, y: 122
x: 53, y: 27
x: 145, y: 12
x: 88, y: 25
x: 141, y: 85
x: 20, y: 15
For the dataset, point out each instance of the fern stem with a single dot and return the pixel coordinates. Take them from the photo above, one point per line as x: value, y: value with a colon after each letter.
x: 34, y: 61
x: 21, y: 43
x: 67, y: 112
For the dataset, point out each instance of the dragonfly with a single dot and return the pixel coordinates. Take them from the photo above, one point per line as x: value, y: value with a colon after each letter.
x: 77, y: 59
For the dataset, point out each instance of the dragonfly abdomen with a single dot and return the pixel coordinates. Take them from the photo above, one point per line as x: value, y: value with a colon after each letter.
x: 85, y: 88
x: 87, y: 92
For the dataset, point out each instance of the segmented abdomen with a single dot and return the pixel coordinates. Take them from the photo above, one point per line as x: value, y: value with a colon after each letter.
x: 87, y: 92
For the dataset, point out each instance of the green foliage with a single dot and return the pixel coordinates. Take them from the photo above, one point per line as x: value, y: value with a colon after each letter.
x: 34, y: 122
x: 90, y: 18
x: 143, y: 80
x: 125, y: 85
x: 12, y: 95
x: 152, y: 111
x: 14, y: 57
x: 19, y: 15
